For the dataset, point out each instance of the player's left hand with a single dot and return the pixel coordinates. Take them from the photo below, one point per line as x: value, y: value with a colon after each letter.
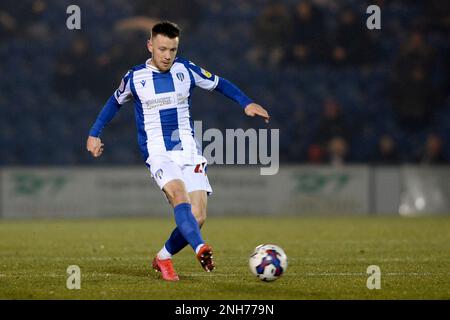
x: 254, y: 109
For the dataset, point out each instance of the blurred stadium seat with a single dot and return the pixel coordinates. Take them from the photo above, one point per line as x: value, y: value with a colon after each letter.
x: 41, y: 126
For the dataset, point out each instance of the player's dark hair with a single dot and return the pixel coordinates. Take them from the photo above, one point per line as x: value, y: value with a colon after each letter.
x: 166, y: 28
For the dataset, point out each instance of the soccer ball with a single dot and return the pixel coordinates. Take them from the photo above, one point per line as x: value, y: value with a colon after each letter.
x: 268, y: 262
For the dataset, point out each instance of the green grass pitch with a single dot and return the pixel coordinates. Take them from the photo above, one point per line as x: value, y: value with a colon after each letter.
x: 328, y: 258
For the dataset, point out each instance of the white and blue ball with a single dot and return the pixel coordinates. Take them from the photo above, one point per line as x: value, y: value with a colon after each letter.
x: 268, y: 262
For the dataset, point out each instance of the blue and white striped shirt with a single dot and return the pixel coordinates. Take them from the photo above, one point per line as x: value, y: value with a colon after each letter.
x: 162, y: 102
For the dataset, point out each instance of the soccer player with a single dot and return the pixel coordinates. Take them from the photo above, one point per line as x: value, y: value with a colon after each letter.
x: 161, y: 89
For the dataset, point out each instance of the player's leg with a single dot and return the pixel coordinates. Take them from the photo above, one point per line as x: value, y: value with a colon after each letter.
x: 176, y: 241
x: 199, y: 200
x: 186, y: 232
x: 170, y: 178
x: 197, y: 185
x: 168, y: 174
x: 186, y: 223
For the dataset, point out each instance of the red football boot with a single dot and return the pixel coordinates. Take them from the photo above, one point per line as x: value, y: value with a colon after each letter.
x: 205, y: 256
x: 166, y: 268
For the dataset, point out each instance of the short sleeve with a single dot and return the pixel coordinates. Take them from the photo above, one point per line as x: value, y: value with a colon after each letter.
x: 203, y: 78
x: 123, y: 93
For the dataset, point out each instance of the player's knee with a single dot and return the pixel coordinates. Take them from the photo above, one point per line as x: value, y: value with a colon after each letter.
x: 177, y: 196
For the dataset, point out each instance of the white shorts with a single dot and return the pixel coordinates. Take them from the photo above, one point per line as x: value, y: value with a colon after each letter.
x: 167, y: 167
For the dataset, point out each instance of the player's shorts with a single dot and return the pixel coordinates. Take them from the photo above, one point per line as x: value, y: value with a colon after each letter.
x: 166, y: 167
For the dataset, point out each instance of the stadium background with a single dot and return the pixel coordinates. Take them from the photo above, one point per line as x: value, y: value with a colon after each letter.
x: 355, y: 88
x: 373, y: 103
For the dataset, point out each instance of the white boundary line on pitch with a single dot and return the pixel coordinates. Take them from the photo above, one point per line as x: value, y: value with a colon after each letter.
x: 321, y: 259
x: 307, y: 274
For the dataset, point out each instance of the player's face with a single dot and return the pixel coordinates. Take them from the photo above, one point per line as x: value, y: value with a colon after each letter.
x: 164, y: 51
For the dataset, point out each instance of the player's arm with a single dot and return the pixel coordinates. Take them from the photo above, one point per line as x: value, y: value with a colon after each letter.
x: 208, y: 81
x: 94, y: 144
x: 231, y: 91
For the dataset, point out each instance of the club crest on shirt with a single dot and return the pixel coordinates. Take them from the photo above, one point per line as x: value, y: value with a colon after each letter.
x: 159, y: 174
x: 180, y: 76
x: 206, y: 73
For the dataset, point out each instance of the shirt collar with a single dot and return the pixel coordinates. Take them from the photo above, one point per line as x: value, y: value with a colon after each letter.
x: 150, y: 66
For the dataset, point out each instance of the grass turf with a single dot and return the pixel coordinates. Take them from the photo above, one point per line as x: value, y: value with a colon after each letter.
x: 328, y: 258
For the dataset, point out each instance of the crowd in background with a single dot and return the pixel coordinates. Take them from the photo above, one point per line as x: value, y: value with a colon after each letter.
x: 339, y: 92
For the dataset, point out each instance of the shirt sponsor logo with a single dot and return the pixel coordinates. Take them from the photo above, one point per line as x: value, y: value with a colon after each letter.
x: 159, y: 102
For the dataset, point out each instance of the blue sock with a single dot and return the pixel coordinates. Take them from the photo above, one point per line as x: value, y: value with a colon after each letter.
x: 187, y: 225
x: 176, y: 242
